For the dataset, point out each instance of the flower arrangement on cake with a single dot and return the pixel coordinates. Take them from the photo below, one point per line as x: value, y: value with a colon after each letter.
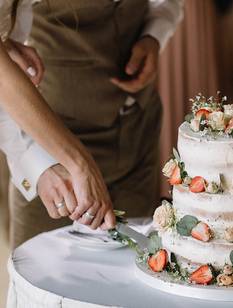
x: 211, y: 115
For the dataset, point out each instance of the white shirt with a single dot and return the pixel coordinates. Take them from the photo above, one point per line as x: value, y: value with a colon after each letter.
x: 26, y: 159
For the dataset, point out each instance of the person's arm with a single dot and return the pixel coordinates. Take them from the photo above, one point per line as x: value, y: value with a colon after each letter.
x: 163, y: 19
x: 20, y: 98
x: 161, y: 22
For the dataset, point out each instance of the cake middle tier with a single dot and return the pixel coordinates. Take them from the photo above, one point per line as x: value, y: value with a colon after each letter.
x: 214, y: 209
x: 215, y: 252
x: 206, y: 156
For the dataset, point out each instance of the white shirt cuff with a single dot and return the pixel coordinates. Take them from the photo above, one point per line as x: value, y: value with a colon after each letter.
x: 27, y: 170
x: 159, y: 29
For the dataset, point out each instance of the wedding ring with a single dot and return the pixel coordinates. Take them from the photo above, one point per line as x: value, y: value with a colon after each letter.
x: 60, y: 205
x: 89, y: 216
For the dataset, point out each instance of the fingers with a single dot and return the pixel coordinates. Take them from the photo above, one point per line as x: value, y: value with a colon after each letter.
x: 81, y: 209
x: 135, y: 61
x: 35, y: 63
x: 98, y: 219
x: 60, y: 205
x: 70, y: 201
x: 86, y: 219
x: 21, y: 61
x: 146, y: 76
x: 109, y: 220
x: 51, y: 208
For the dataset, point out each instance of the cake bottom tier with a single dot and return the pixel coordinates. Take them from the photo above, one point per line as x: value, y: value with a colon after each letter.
x: 215, y: 252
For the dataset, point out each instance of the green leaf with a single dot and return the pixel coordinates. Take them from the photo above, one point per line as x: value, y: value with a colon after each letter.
x: 155, y: 242
x: 173, y: 258
x: 176, y: 154
x: 202, y: 126
x: 119, y: 213
x: 231, y: 257
x: 185, y: 225
x: 189, y: 117
x: 120, y: 216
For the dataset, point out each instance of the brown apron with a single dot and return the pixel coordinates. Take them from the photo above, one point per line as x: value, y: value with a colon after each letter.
x: 83, y: 43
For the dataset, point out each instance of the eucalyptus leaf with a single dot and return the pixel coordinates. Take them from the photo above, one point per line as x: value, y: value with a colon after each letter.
x: 173, y: 258
x: 155, y: 242
x: 185, y: 225
x: 189, y: 117
x: 176, y: 154
x: 231, y: 257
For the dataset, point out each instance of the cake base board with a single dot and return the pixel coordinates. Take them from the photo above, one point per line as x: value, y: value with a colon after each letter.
x: 165, y: 283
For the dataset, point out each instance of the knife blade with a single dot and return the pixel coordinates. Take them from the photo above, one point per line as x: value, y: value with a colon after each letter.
x: 139, y: 238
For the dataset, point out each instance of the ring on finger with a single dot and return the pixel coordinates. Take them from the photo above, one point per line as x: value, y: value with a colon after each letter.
x: 88, y: 216
x: 60, y: 205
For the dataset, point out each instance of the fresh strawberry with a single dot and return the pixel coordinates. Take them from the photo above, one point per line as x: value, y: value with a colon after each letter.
x: 229, y: 127
x: 175, y: 178
x: 197, y: 184
x: 203, y: 275
x: 158, y: 261
x: 202, y: 113
x: 201, y: 232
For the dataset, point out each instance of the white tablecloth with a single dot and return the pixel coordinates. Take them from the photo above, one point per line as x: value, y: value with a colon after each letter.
x: 50, y: 271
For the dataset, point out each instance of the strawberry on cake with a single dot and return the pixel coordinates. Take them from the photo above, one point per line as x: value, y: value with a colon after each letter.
x: 196, y: 229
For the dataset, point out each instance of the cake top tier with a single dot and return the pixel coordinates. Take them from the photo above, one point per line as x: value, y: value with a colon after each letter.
x: 211, y: 116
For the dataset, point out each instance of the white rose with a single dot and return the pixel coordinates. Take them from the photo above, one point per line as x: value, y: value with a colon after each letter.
x: 212, y: 188
x: 169, y: 168
x: 195, y: 125
x: 164, y: 216
x: 229, y: 234
x: 216, y: 120
x: 228, y: 110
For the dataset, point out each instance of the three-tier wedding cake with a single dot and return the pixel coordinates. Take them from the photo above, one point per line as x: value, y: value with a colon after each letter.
x: 196, y: 229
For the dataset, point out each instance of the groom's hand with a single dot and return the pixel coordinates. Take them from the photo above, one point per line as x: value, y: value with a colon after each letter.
x: 27, y: 59
x: 55, y: 187
x: 142, y: 66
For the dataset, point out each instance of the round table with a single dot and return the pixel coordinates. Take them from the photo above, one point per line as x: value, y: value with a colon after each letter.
x: 52, y: 271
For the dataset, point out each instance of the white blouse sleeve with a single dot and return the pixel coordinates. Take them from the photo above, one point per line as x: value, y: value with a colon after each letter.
x: 23, y: 21
x: 162, y: 20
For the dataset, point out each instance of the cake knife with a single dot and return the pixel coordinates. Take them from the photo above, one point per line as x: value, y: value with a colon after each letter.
x: 142, y: 241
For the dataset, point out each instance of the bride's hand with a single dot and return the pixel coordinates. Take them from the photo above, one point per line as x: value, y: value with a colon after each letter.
x: 27, y: 59
x: 81, y: 191
x: 94, y: 204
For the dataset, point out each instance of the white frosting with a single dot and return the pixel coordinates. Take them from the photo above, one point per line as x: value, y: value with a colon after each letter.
x: 206, y: 156
x: 214, y: 209
x: 215, y: 252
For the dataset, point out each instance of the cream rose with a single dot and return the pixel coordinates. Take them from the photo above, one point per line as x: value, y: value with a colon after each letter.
x: 164, y: 216
x: 216, y: 120
x: 187, y: 180
x: 224, y: 280
x: 228, y: 110
x: 195, y: 125
x: 229, y: 234
x: 169, y: 168
x: 228, y: 270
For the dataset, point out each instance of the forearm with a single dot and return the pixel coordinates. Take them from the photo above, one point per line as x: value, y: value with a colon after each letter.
x: 22, y: 101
